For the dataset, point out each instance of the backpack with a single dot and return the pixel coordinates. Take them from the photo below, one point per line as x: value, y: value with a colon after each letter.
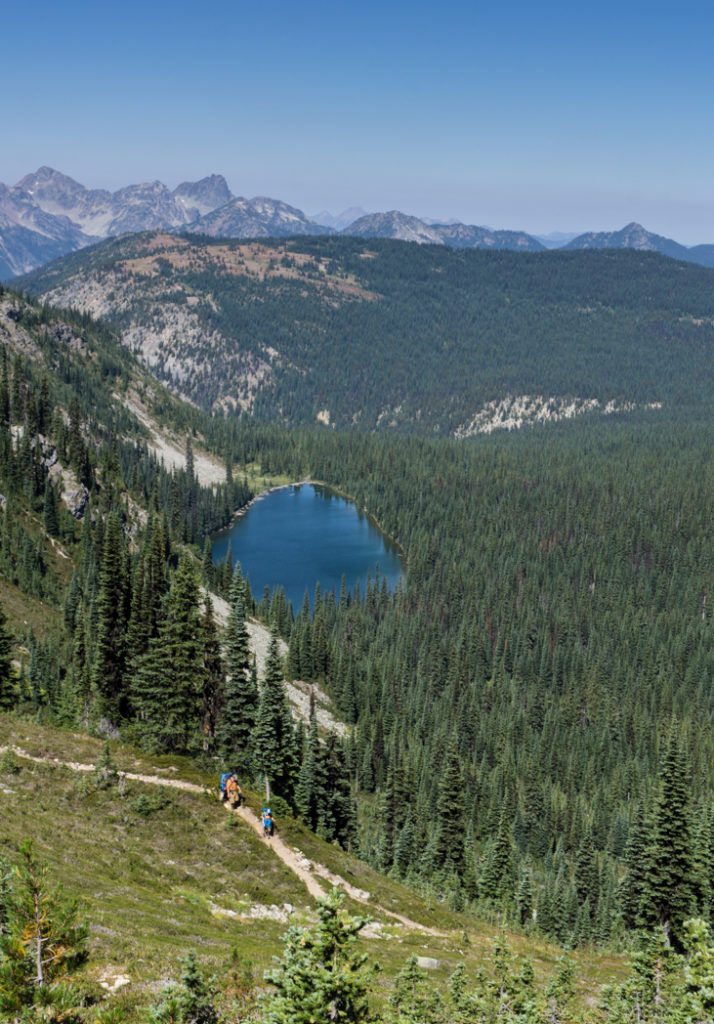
x: 224, y: 779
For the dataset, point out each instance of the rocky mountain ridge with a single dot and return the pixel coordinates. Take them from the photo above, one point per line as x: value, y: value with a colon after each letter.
x: 402, y: 227
x: 48, y: 214
x: 634, y: 236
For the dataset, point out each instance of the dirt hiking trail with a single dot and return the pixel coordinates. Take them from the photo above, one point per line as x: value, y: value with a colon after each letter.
x: 294, y: 859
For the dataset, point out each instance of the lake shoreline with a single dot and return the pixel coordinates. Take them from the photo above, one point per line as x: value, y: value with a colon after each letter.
x: 373, y: 519
x: 243, y: 510
x: 309, y: 532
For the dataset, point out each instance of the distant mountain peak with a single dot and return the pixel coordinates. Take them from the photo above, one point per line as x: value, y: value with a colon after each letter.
x: 632, y: 236
x: 404, y: 227
x: 259, y: 217
x: 44, y: 174
x: 341, y: 220
x: 203, y: 196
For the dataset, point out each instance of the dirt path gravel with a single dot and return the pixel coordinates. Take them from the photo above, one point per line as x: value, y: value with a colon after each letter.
x: 293, y: 858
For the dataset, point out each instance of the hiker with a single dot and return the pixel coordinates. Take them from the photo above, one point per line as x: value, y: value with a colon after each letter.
x: 224, y: 783
x: 267, y: 823
x: 233, y: 791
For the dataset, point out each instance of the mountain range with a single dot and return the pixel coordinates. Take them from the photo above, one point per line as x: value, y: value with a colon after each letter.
x: 48, y: 214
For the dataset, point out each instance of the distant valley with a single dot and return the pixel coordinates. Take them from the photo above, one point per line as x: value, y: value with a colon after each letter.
x: 47, y: 214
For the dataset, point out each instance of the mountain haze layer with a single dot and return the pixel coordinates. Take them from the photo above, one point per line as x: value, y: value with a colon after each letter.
x: 47, y: 214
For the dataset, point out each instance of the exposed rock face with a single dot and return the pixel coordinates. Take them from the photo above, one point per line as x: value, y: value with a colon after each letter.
x: 201, y: 197
x: 49, y: 456
x: 459, y: 236
x: 76, y: 501
x: 30, y: 235
x: 516, y: 411
x: 58, y: 195
x: 101, y: 214
x: 469, y: 236
x: 47, y: 214
x: 258, y: 218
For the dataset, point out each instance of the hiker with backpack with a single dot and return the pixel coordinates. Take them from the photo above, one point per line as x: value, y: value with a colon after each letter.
x: 233, y: 791
x: 230, y: 790
x: 224, y: 782
x: 267, y: 823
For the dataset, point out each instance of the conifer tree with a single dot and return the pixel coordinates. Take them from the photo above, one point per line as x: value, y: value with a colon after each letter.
x: 498, y: 879
x: 5, y: 886
x: 168, y: 683
x: 524, y: 895
x: 405, y: 846
x: 698, y: 973
x: 413, y: 998
x: 559, y: 991
x: 72, y: 602
x: 192, y: 1001
x: 449, y: 838
x: 667, y: 886
x: 274, y: 753
x: 207, y: 566
x: 109, y: 664
x: 41, y: 942
x: 50, y: 517
x: 341, y: 812
x: 4, y: 391
x: 7, y: 675
x: 320, y: 976
x: 240, y: 697
x: 632, y: 887
x: 311, y: 791
x: 701, y: 864
x: 586, y: 873
x: 213, y: 681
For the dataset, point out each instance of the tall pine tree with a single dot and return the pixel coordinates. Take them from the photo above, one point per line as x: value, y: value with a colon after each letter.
x: 108, y: 675
x: 667, y: 889
x: 274, y: 753
x: 240, y: 698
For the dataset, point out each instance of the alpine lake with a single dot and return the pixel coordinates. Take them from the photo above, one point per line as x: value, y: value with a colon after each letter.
x: 297, y: 536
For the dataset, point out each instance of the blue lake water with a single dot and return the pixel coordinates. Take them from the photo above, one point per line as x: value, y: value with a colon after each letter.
x: 298, y: 536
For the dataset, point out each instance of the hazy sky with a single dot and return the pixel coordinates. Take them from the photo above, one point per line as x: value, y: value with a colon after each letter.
x: 552, y: 116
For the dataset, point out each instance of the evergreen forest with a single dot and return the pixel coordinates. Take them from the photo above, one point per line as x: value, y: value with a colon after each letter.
x: 382, y: 335
x: 531, y: 713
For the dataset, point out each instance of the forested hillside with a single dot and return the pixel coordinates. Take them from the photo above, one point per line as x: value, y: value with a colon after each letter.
x: 384, y: 335
x: 550, y: 650
x: 549, y: 644
x: 531, y: 711
x: 102, y: 577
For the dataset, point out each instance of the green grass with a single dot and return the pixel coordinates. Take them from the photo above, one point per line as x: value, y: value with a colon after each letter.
x: 23, y: 611
x: 156, y: 867
x: 259, y: 481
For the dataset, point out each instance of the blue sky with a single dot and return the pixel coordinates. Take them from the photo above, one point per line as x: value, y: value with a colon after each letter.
x: 545, y: 117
